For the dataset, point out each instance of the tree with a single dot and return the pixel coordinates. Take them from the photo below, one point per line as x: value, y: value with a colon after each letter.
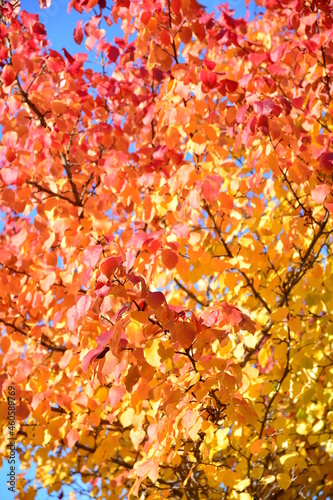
x: 166, y: 259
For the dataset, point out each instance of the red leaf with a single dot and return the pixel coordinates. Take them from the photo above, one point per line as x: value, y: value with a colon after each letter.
x: 90, y: 356
x: 297, y: 102
x: 185, y: 333
x: 231, y: 314
x: 28, y: 20
x: 231, y: 85
x: 115, y: 395
x: 210, y: 65
x: 145, y: 17
x: 38, y: 29
x: 70, y: 58
x: 241, y: 113
x: 155, y: 299
x: 138, y: 279
x: 91, y: 42
x: 22, y: 411
x: 72, y: 437
x: 120, y: 42
x: 169, y: 258
x: 104, y: 337
x: 210, y: 317
x: 83, y: 305
x: 138, y: 239
x: 113, y: 53
x: 329, y: 206
x: 91, y: 255
x: 149, y: 116
x: 248, y: 324
x: 310, y: 19
x: 72, y: 318
x: 55, y: 62
x: 208, y: 78
x: 3, y: 52
x: 257, y: 59
x: 109, y: 266
x: 78, y: 33
x: 263, y: 108
x: 85, y: 277
x: 44, y: 4
x: 101, y: 289
x: 8, y: 75
x: 152, y: 245
x: 276, y: 54
x: 319, y: 193
x: 326, y: 162
x: 9, y: 139
x: 9, y: 175
x: 3, y: 31
x: 210, y: 187
x: 263, y: 125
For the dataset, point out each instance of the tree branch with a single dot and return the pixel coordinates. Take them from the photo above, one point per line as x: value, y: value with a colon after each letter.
x: 229, y: 254
x: 48, y: 345
x: 189, y: 293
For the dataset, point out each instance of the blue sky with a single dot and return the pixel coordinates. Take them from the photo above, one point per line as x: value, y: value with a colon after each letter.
x: 60, y: 26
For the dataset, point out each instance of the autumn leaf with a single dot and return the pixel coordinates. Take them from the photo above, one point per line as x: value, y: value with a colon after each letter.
x: 71, y: 438
x: 185, y: 333
x: 169, y: 258
x: 319, y: 193
x: 91, y: 255
x: 78, y: 33
x: 109, y: 266
x: 165, y: 247
x: 152, y: 355
x: 326, y: 162
x: 8, y: 75
x: 44, y: 4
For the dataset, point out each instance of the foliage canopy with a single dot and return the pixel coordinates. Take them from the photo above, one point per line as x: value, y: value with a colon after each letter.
x: 166, y: 261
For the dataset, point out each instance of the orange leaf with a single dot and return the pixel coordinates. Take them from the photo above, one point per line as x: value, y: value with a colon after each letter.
x: 169, y: 258
x: 185, y: 333
x: 72, y: 438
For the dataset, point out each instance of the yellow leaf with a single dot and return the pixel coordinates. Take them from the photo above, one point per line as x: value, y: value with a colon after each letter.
x: 102, y: 394
x: 288, y: 456
x: 99, y: 455
x: 39, y: 436
x: 209, y: 429
x: 280, y: 314
x: 283, y: 480
x: 292, y: 460
x: 151, y: 354
x: 318, y: 426
x: 241, y: 485
x: 137, y: 436
x: 134, y: 332
x: 126, y: 418
x: 302, y: 429
x: 222, y: 438
x: 256, y: 446
x: 245, y: 496
x: 140, y: 316
x: 263, y: 357
x: 268, y: 479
